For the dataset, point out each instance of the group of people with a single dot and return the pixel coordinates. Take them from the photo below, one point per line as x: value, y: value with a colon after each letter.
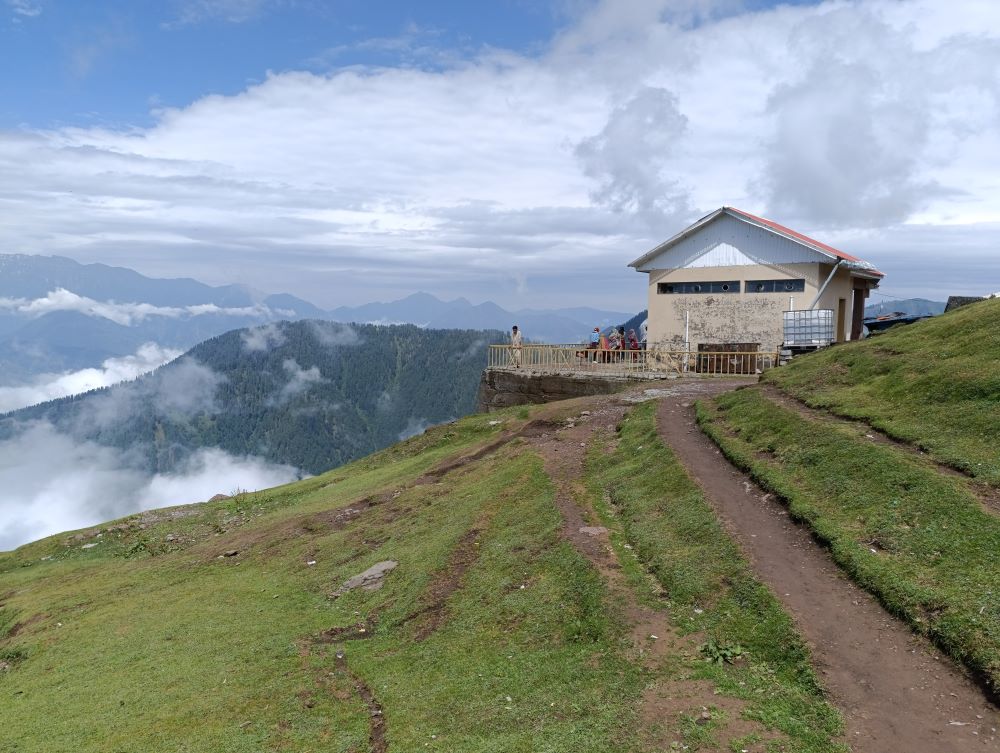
x: 617, y: 340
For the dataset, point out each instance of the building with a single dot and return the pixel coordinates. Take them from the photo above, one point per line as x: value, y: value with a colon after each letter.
x: 730, y: 276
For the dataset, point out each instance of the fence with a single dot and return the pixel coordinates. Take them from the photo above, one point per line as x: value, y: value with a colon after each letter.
x: 639, y: 364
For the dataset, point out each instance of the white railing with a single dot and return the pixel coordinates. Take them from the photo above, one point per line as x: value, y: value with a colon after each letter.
x: 579, y: 359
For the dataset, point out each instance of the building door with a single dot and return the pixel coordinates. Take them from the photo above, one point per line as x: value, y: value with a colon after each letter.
x: 858, y: 313
x: 841, y: 319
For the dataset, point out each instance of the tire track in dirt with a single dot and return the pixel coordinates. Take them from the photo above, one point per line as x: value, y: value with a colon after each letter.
x: 563, y: 448
x: 897, y: 691
x: 378, y: 737
x: 532, y: 428
x: 989, y: 496
x: 465, y: 554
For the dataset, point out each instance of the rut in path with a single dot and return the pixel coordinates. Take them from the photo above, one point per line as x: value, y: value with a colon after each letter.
x: 377, y: 738
x: 665, y: 700
x: 377, y: 734
x: 897, y: 691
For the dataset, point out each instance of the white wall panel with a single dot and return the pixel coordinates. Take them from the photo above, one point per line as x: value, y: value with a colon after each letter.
x: 729, y: 242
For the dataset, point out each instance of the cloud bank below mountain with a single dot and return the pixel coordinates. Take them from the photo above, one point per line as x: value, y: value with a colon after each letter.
x: 126, y: 314
x: 52, y: 482
x: 112, y: 371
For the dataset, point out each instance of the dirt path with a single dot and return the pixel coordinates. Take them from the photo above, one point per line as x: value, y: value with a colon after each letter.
x: 897, y: 692
x: 989, y: 496
x: 563, y: 447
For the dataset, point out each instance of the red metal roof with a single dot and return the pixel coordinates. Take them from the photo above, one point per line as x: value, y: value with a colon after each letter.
x: 803, y: 238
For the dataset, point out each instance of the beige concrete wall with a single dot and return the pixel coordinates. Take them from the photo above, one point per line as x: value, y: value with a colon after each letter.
x: 743, y: 316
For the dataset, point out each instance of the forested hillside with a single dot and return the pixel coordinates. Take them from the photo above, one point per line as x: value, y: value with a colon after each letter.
x: 309, y: 394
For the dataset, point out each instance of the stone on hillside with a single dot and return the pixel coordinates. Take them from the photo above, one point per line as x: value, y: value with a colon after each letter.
x: 218, y: 497
x: 370, y: 580
x: 594, y: 530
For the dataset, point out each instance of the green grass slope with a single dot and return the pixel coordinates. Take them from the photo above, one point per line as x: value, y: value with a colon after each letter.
x: 212, y: 628
x: 935, y: 384
x: 153, y: 639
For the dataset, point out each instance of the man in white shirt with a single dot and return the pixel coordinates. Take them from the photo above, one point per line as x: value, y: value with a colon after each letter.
x: 515, y: 347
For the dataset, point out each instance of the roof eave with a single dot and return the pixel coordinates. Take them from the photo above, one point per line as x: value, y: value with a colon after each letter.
x: 676, y: 238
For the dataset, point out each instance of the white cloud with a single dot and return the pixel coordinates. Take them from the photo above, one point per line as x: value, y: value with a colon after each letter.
x: 298, y: 380
x: 333, y: 334
x: 631, y: 155
x: 185, y: 387
x: 230, y: 11
x: 126, y: 314
x: 211, y: 471
x: 112, y: 371
x: 262, y: 338
x: 50, y: 482
x: 182, y: 388
x: 25, y: 8
x: 516, y: 177
x: 414, y: 426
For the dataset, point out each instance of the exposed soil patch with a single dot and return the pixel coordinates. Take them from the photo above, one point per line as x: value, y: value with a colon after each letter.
x: 897, y: 692
x: 17, y: 627
x: 295, y: 526
x: 452, y: 464
x: 667, y: 704
x: 988, y: 495
x: 429, y: 618
x: 544, y: 424
x: 377, y: 737
x: 357, y: 631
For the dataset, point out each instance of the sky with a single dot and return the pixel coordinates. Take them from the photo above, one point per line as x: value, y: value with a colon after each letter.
x: 515, y: 151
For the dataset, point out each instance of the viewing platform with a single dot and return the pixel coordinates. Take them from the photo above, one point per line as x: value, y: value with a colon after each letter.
x: 544, y: 373
x: 654, y: 363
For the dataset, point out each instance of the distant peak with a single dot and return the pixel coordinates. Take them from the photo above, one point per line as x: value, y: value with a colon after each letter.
x: 421, y: 296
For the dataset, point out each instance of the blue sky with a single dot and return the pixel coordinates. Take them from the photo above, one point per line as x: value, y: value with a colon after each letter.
x: 90, y: 62
x: 509, y: 150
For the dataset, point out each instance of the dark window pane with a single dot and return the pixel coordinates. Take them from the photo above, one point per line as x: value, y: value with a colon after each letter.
x: 776, y: 286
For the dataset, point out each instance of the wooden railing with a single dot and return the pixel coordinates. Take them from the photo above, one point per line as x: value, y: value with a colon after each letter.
x: 566, y: 359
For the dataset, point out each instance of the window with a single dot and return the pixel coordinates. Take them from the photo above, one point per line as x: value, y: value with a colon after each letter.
x: 725, y: 286
x: 776, y: 286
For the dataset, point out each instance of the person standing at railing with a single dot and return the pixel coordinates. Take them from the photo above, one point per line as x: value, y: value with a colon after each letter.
x: 615, y: 340
x: 632, y: 344
x: 515, y: 347
x: 595, y: 341
x: 602, y: 345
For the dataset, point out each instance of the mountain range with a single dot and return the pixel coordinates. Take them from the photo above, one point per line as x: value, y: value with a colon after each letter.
x: 57, y: 315
x: 908, y: 306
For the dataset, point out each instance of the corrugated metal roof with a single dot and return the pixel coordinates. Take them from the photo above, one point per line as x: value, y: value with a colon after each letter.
x: 858, y: 264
